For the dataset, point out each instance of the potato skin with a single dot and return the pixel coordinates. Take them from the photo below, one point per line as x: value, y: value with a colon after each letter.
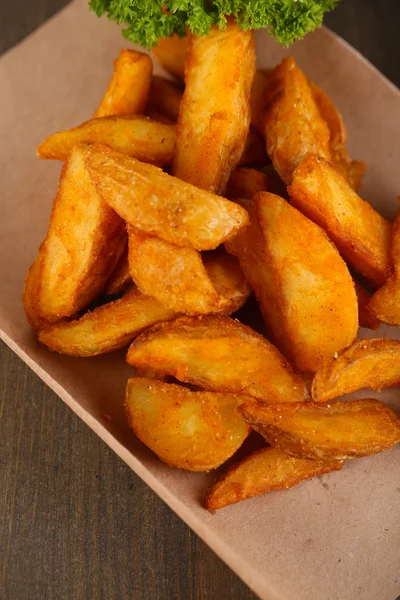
x: 84, y: 243
x: 338, y: 430
x: 195, y: 431
x: 365, y: 317
x: 293, y: 126
x: 368, y: 363
x: 136, y: 136
x: 360, y: 233
x: 129, y: 87
x: 157, y: 204
x: 171, y: 53
x: 212, y: 127
x: 120, y: 278
x: 385, y: 303
x: 219, y: 354
x: 263, y: 471
x: 107, y: 327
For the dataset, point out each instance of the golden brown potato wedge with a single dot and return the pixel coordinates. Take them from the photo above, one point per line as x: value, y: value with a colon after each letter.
x: 170, y: 53
x: 84, y: 243
x: 177, y: 277
x: 368, y: 363
x: 254, y: 152
x: 385, y: 303
x: 359, y: 232
x: 107, y: 327
x: 338, y: 430
x: 158, y: 204
x: 146, y: 373
x: 258, y: 101
x: 165, y: 97
x: 195, y: 431
x: 265, y: 470
x: 214, y: 114
x: 191, y: 430
x: 365, y: 317
x: 219, y: 354
x: 307, y: 298
x: 136, y: 136
x: 245, y: 183
x: 294, y: 128
x: 304, y: 288
x: 129, y: 87
x: 352, y: 170
x: 120, y: 278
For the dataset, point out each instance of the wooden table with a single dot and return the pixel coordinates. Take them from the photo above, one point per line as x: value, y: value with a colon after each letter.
x: 75, y: 522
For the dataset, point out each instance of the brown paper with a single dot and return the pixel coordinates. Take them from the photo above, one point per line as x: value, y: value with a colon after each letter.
x: 336, y: 537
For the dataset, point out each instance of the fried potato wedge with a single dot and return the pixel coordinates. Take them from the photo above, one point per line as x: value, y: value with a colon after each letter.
x: 214, y: 115
x: 219, y: 354
x: 129, y: 86
x: 339, y: 430
x: 365, y: 317
x: 136, y: 136
x: 263, y: 471
x: 120, y: 278
x: 254, y: 152
x: 293, y: 126
x: 368, y: 363
x: 178, y: 278
x: 307, y: 299
x: 195, y: 431
x: 84, y: 243
x: 351, y: 170
x: 245, y: 183
x: 303, y: 286
x: 258, y: 101
x: 107, y: 327
x: 170, y: 53
x: 385, y: 303
x: 165, y: 97
x: 158, y: 204
x: 360, y: 233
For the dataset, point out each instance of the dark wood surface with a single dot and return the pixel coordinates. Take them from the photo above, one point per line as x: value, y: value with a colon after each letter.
x: 75, y: 522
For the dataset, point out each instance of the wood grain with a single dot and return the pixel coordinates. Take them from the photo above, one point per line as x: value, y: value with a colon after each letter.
x: 75, y: 522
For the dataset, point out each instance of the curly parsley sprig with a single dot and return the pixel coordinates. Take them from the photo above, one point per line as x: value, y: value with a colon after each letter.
x: 149, y: 20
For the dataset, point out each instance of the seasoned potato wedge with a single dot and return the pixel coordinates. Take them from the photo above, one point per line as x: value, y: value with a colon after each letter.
x: 307, y: 298
x: 254, y: 152
x: 165, y: 97
x: 304, y: 288
x: 120, y: 278
x: 107, y: 327
x: 245, y: 183
x: 365, y: 316
x: 170, y: 53
x: 129, y: 87
x: 359, y: 232
x: 368, y: 363
x: 214, y: 114
x: 219, y: 354
x: 294, y: 128
x: 195, y: 431
x: 83, y: 244
x: 135, y: 136
x: 352, y: 170
x: 158, y: 204
x: 265, y: 470
x: 258, y: 101
x: 177, y: 277
x: 385, y: 303
x: 338, y: 430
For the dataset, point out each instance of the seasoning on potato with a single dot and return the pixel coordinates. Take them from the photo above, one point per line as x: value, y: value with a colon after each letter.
x: 338, y: 430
